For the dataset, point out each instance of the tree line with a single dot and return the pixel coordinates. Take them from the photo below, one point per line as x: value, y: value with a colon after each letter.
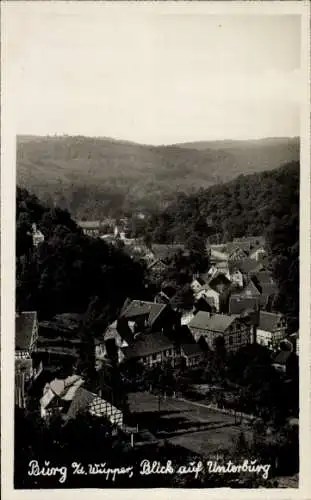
x: 264, y: 203
x: 69, y: 270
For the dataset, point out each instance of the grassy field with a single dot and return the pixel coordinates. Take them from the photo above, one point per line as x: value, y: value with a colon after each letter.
x: 198, y: 429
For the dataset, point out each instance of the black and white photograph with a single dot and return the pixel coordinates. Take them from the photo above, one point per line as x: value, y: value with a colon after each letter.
x: 157, y: 328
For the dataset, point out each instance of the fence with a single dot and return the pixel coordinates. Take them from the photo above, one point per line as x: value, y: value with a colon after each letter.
x: 99, y: 407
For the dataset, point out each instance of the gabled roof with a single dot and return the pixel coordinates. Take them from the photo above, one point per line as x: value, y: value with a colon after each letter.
x: 219, y: 277
x: 203, y: 302
x: 220, y: 322
x: 217, y: 255
x: 143, y: 308
x: 50, y: 341
x: 282, y: 357
x: 265, y: 282
x: 113, y: 325
x: 202, y: 280
x: 268, y: 288
x: 68, y: 323
x: 253, y: 241
x: 24, y: 323
x: 222, y: 265
x: 264, y: 277
x: 162, y: 298
x: 214, y: 270
x: 89, y: 224
x: 200, y: 320
x: 155, y: 262
x: 58, y: 351
x: 151, y: 343
x: 110, y: 334
x: 205, y: 288
x: 250, y: 290
x: 234, y: 247
x: 269, y: 321
x: 63, y: 389
x: 82, y: 400
x: 249, y: 265
x: 265, y: 299
x: 238, y: 304
x: 221, y: 247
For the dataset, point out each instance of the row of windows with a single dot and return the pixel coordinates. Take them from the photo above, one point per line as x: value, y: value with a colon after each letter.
x: 168, y: 352
x: 237, y: 339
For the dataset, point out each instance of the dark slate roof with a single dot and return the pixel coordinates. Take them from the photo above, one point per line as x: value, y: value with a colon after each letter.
x: 80, y: 403
x: 220, y: 322
x: 58, y: 350
x: 238, y: 304
x: 45, y: 341
x: 222, y: 265
x: 282, y: 357
x: 24, y: 323
x: 217, y: 322
x: 220, y: 277
x: 268, y: 288
x: 269, y: 321
x: 157, y: 262
x: 265, y: 298
x: 265, y: 282
x: 207, y: 276
x: 143, y: 308
x: 68, y: 323
x: 204, y: 302
x: 249, y: 265
x: 151, y: 343
x: 254, y: 241
x: 264, y: 277
x: 250, y: 290
x: 200, y: 320
x: 89, y: 224
x: 191, y: 349
x: 233, y: 247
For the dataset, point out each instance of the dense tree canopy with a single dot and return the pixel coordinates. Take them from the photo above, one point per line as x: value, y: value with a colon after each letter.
x: 264, y: 203
x: 69, y: 269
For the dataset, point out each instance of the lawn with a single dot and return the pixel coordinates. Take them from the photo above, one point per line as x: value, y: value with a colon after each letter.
x: 198, y: 429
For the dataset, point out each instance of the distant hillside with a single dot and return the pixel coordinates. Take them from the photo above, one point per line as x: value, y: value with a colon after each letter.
x: 243, y: 144
x: 265, y: 203
x: 96, y: 176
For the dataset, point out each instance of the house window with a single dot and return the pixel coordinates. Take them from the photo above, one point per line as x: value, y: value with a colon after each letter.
x: 230, y: 340
x: 239, y: 338
x: 154, y: 357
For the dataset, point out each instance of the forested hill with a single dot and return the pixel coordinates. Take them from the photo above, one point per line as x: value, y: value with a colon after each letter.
x: 247, y: 205
x: 68, y: 272
x: 265, y: 203
x: 94, y: 177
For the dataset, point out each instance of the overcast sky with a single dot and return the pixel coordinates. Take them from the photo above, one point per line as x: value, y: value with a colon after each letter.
x: 152, y: 78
